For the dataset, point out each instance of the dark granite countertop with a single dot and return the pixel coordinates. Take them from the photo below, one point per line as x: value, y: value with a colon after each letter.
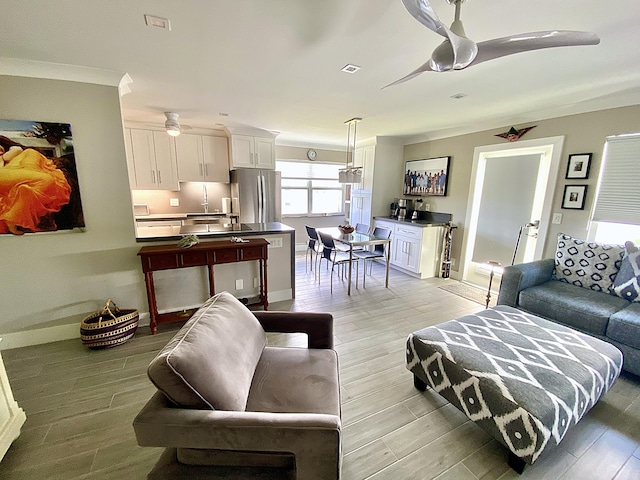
x: 215, y: 231
x: 425, y: 219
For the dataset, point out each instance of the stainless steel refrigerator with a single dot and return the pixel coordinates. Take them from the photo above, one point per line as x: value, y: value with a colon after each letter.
x: 256, y: 195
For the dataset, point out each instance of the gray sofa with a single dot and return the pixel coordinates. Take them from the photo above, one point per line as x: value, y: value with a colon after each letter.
x: 535, y: 288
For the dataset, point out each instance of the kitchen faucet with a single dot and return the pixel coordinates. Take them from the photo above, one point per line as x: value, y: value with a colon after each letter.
x: 205, y: 197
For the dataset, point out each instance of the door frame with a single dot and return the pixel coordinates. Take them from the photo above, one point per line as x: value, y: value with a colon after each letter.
x: 551, y: 150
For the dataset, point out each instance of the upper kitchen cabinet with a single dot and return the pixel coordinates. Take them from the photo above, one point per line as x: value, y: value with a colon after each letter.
x: 252, y: 152
x: 152, y: 160
x: 202, y: 158
x: 365, y: 157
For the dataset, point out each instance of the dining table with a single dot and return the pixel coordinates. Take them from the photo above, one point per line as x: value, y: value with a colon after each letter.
x: 356, y: 239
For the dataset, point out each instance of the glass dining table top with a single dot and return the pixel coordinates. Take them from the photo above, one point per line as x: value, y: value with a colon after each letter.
x: 354, y: 238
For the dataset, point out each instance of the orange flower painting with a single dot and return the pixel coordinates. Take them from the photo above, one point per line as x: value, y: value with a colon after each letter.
x: 38, y: 178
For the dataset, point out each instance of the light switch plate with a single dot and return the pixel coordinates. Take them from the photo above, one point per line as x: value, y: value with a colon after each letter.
x: 557, y: 218
x: 174, y: 202
x: 239, y: 284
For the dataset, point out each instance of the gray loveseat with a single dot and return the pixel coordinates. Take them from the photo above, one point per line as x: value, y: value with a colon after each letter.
x: 576, y: 289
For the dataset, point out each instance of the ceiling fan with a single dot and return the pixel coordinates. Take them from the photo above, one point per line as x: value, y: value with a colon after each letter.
x: 458, y: 52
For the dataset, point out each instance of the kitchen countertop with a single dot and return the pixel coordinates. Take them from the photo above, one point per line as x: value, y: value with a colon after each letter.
x: 181, y: 216
x: 426, y: 219
x: 214, y: 230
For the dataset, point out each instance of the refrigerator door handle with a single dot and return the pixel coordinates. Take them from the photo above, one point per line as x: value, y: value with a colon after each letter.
x: 260, y: 199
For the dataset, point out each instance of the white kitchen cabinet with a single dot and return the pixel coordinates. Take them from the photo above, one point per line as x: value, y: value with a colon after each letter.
x: 12, y: 417
x: 152, y: 160
x: 252, y: 152
x: 415, y: 249
x: 365, y: 158
x: 360, y: 209
x: 202, y: 158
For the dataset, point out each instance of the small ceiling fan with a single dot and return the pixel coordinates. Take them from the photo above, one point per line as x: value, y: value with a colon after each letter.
x: 458, y: 52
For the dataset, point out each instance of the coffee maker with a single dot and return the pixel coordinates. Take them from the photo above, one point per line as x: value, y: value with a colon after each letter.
x: 404, y: 205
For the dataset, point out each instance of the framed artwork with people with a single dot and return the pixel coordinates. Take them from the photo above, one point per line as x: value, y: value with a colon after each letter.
x: 39, y: 189
x: 426, y: 177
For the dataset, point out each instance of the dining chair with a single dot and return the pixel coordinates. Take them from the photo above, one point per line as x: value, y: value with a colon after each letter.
x: 333, y: 255
x: 371, y: 255
x: 362, y: 228
x: 313, y: 246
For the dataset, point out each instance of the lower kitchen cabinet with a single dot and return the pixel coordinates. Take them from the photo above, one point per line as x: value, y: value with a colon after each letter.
x: 415, y: 249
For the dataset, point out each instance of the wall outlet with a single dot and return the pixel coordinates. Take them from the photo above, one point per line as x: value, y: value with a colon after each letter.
x: 239, y: 284
x: 427, y: 207
x: 174, y: 202
x: 275, y: 242
x: 557, y: 218
x: 256, y: 282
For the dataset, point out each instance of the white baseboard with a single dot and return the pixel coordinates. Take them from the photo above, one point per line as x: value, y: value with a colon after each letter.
x: 37, y: 336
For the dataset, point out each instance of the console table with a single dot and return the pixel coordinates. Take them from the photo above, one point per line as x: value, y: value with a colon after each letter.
x: 168, y: 257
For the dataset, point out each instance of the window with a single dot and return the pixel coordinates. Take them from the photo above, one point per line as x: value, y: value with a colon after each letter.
x: 616, y: 214
x: 310, y: 188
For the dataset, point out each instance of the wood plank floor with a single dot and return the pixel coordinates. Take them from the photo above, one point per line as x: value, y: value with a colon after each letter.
x: 80, y: 403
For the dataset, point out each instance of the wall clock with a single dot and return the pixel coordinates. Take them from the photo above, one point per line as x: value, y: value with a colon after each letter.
x: 312, y: 154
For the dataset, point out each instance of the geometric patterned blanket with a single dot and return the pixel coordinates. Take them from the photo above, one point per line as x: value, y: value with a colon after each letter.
x: 522, y: 379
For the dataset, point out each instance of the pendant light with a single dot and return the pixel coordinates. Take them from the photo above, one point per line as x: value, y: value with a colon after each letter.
x: 351, y: 174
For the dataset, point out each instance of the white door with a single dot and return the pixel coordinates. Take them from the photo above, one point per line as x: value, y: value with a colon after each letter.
x: 511, y: 187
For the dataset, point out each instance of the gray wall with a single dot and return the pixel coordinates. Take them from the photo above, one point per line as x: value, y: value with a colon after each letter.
x: 583, y: 134
x: 56, y: 278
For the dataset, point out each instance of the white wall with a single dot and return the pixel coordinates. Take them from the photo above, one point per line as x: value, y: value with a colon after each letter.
x: 54, y: 279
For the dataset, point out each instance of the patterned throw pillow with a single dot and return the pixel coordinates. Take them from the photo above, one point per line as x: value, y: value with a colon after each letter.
x: 587, y: 264
x: 627, y: 282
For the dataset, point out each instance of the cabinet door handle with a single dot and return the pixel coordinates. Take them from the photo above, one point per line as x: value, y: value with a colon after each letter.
x: 159, y: 178
x: 153, y: 176
x: 200, y: 170
x: 206, y: 169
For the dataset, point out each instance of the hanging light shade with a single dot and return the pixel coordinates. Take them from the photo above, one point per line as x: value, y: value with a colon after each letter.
x: 351, y: 173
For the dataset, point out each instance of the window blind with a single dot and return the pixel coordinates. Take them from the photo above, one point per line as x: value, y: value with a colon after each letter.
x: 618, y: 198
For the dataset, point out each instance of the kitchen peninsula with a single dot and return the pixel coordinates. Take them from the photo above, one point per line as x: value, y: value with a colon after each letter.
x: 241, y: 268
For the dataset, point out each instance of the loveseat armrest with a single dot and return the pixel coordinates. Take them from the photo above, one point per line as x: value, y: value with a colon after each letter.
x: 516, y: 278
x: 317, y: 326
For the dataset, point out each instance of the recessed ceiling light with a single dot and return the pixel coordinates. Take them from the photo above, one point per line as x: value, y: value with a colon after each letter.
x: 458, y: 96
x: 159, y: 22
x: 349, y: 68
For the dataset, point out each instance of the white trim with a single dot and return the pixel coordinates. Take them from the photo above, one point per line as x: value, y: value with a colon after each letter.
x: 27, y: 338
x: 551, y: 149
x: 59, y: 71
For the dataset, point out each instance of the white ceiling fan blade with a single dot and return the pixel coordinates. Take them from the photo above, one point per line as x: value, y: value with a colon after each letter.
x: 423, y: 68
x: 422, y: 11
x: 525, y: 42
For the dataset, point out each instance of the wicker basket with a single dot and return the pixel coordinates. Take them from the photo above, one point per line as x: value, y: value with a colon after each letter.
x: 346, y: 229
x: 108, y: 327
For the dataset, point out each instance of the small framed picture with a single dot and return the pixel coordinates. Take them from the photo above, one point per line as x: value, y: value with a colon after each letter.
x: 578, y: 166
x: 574, y: 196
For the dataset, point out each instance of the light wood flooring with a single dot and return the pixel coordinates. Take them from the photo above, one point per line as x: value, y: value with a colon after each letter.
x: 80, y: 403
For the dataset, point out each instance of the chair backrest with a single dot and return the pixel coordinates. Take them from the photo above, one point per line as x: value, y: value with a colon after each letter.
x: 328, y: 245
x: 362, y: 228
x: 381, y: 232
x: 313, y: 236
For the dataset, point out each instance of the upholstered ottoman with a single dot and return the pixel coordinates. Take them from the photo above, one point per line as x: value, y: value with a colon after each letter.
x: 522, y: 379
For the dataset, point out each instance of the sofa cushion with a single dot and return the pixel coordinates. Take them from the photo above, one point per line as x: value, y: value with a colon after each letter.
x: 581, y: 308
x: 210, y: 362
x: 587, y: 264
x: 627, y: 283
x: 624, y: 326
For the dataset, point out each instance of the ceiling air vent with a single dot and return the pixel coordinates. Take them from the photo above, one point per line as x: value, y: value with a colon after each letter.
x: 349, y: 68
x: 158, y: 22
